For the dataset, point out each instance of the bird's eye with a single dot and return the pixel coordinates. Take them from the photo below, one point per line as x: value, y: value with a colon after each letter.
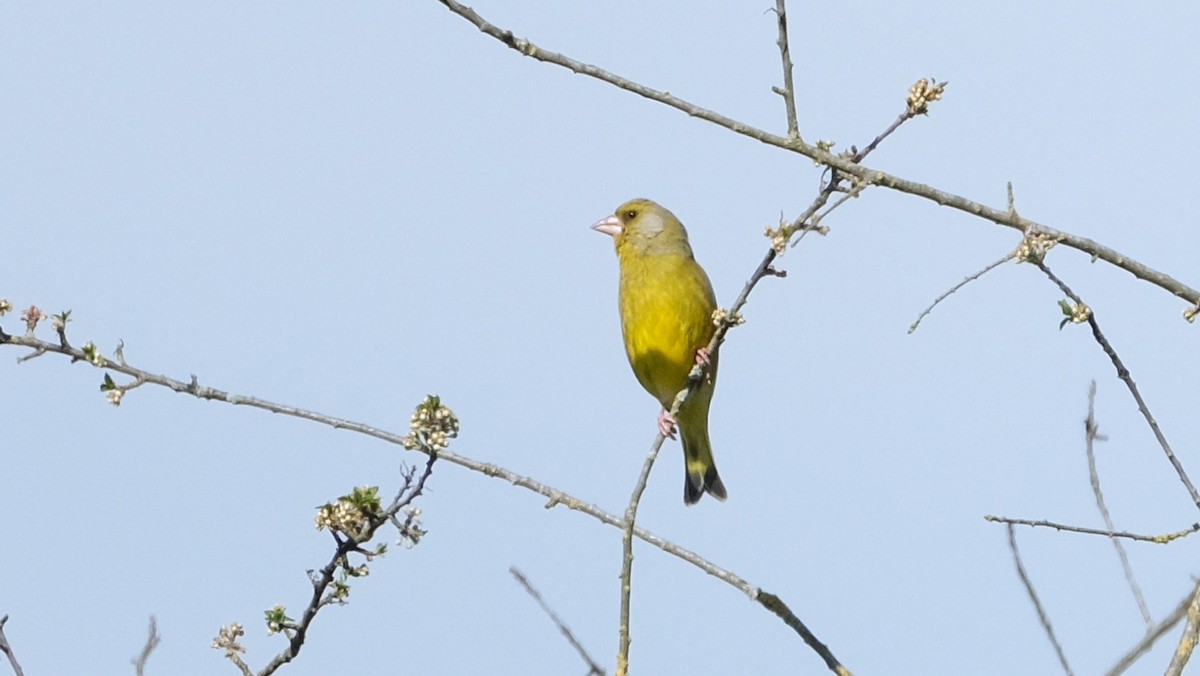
x: 630, y: 214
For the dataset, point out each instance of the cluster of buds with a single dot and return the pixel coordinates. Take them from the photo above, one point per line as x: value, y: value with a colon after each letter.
x: 277, y: 620
x: 352, y: 514
x: 411, y: 531
x: 779, y: 237
x: 922, y: 93
x: 1033, y: 247
x: 1076, y: 313
x: 722, y: 316
x: 92, y: 354
x: 227, y: 640
x: 432, y: 426
x: 110, y: 389
x: 32, y: 317
x: 825, y: 147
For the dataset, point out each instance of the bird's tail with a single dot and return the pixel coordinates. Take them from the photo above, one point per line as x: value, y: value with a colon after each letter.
x: 700, y: 472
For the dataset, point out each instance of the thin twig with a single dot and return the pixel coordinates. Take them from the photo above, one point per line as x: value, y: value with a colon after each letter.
x: 1156, y: 539
x: 843, y: 164
x: 1037, y: 604
x: 7, y: 649
x: 152, y: 641
x: 593, y: 668
x: 901, y: 119
x: 852, y: 193
x: 1147, y: 642
x: 954, y: 289
x: 773, y: 603
x: 1092, y: 435
x: 627, y: 544
x: 788, y: 91
x: 1123, y: 374
x: 1187, y: 642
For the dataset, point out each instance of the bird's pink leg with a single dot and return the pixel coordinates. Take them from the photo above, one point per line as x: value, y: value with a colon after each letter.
x: 666, y: 424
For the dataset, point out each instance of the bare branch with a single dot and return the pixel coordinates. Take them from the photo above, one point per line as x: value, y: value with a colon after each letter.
x: 1092, y: 435
x: 954, y: 289
x: 593, y: 668
x: 1187, y: 642
x: 152, y: 641
x: 1143, y: 646
x: 7, y: 649
x: 843, y: 164
x: 788, y: 91
x: 1037, y: 604
x: 627, y: 542
x: 1156, y: 539
x: 773, y: 603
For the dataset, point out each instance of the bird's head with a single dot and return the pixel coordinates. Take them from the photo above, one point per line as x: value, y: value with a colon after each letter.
x: 644, y: 226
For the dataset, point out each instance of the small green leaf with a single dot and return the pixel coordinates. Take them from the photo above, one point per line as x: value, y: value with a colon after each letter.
x: 109, y: 384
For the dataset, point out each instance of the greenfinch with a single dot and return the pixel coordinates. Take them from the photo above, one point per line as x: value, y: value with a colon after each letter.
x: 666, y: 304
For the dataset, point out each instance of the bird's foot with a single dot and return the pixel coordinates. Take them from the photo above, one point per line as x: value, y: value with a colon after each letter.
x: 702, y: 356
x: 666, y: 424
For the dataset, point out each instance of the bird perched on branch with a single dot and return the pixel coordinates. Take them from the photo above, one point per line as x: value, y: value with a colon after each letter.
x: 666, y: 304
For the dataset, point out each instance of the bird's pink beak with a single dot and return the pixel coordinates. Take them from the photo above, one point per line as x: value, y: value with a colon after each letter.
x: 609, y: 226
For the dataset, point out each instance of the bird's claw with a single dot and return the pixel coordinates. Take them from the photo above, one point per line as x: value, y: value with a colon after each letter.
x: 666, y: 424
x: 702, y: 356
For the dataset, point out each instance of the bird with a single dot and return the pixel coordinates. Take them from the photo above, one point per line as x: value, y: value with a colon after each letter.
x: 666, y: 304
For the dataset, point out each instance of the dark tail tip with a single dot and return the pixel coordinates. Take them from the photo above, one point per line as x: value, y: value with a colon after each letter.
x: 695, y: 485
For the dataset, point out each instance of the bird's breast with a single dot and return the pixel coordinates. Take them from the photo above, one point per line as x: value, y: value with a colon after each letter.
x: 666, y: 315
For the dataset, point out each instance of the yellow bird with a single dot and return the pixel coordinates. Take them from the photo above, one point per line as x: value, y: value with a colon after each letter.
x: 666, y: 304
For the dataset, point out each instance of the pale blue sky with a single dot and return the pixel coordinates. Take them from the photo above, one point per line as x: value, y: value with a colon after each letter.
x: 345, y: 207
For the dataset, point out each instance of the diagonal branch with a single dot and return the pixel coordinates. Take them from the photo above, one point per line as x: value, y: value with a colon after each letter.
x: 1037, y: 603
x: 553, y: 495
x: 593, y: 668
x: 1123, y: 374
x: 1187, y: 642
x: 1147, y: 642
x: 7, y: 649
x: 843, y: 164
